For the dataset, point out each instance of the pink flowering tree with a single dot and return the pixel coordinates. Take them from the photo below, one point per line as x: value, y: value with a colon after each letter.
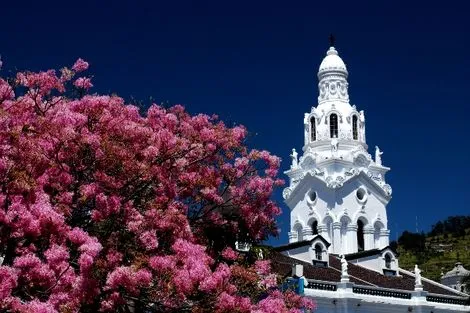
x: 107, y: 210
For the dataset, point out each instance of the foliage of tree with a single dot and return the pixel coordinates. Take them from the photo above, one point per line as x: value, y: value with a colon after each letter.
x: 412, y: 241
x: 446, y: 244
x: 103, y: 209
x: 456, y: 225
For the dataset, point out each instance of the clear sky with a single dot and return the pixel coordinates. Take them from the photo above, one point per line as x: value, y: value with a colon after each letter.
x: 255, y: 63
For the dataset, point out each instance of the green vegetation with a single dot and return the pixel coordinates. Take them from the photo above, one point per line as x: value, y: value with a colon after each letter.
x: 439, y: 250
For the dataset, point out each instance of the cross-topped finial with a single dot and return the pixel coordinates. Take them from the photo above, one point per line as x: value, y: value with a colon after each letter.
x: 332, y: 40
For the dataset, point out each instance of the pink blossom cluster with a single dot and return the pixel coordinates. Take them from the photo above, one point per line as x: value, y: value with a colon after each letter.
x: 80, y: 66
x: 229, y: 254
x: 105, y: 209
x: 83, y: 82
x: 288, y: 302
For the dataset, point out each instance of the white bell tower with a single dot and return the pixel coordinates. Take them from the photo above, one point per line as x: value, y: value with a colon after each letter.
x: 336, y: 189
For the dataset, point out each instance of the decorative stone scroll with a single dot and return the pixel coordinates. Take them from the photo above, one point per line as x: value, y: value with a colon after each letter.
x: 388, y: 189
x: 286, y: 193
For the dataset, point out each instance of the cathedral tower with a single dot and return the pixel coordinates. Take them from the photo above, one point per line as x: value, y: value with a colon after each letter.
x: 336, y: 190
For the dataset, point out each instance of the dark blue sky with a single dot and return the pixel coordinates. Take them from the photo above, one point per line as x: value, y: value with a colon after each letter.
x: 255, y: 63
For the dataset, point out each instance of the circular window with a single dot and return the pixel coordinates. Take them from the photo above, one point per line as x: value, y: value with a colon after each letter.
x: 361, y: 194
x: 312, y: 196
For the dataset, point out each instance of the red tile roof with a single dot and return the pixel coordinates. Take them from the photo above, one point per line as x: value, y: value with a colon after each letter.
x: 359, y: 275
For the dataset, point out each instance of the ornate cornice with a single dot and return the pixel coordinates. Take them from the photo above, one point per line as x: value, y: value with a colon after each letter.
x: 338, y: 180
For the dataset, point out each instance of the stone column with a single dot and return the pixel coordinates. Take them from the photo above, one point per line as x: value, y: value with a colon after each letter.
x: 352, y: 238
x: 384, y: 238
x: 292, y: 236
x: 368, y: 238
x: 323, y: 231
x: 337, y: 237
x: 307, y: 233
x: 344, y: 240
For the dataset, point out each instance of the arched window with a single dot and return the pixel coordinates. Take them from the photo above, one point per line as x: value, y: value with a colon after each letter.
x: 388, y: 261
x: 315, y: 228
x: 334, y: 126
x: 354, y: 127
x: 318, y: 252
x: 360, y: 235
x: 313, y: 131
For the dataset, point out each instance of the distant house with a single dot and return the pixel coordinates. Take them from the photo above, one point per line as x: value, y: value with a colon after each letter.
x: 454, y: 278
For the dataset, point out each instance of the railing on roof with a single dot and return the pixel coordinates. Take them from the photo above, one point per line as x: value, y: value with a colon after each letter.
x: 321, y: 285
x: 382, y: 292
x: 386, y: 292
x: 432, y: 297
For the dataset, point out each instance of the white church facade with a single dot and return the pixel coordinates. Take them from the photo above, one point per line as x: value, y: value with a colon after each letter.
x: 338, y: 196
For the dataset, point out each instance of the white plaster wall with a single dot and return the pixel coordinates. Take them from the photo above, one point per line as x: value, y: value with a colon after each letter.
x: 301, y: 253
x: 302, y: 211
x: 346, y: 199
x: 371, y: 262
x: 348, y: 302
x: 377, y: 263
x: 334, y: 205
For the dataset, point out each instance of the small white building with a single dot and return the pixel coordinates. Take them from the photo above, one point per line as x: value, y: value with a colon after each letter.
x: 454, y: 278
x: 338, y: 198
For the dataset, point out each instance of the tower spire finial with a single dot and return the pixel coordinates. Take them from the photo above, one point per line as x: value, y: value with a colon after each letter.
x: 332, y: 40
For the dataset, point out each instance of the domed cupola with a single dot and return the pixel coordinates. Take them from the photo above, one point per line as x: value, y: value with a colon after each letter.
x: 455, y: 278
x: 332, y: 76
x: 332, y: 64
x: 334, y: 119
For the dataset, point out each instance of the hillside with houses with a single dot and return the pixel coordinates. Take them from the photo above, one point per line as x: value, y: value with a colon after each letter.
x: 436, y: 252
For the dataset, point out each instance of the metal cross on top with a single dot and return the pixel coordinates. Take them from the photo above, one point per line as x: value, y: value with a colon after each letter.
x: 332, y: 40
